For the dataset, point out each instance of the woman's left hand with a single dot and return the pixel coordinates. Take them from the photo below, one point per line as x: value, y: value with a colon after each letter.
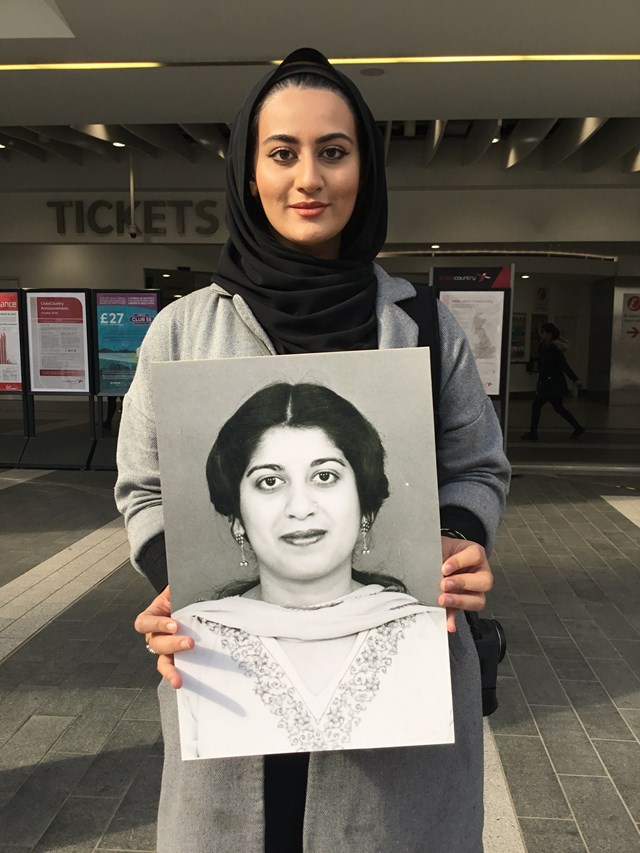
x: 467, y: 577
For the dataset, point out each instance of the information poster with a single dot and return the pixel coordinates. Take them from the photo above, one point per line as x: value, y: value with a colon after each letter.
x: 10, y: 370
x: 122, y: 320
x: 57, y: 326
x: 480, y: 315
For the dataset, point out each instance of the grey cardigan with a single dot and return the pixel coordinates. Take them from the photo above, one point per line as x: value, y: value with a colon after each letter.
x: 473, y: 472
x: 409, y: 800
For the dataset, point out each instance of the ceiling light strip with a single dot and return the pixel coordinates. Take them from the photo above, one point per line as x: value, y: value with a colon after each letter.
x: 80, y: 66
x: 356, y: 60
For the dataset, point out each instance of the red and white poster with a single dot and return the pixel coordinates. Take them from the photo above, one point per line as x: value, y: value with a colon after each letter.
x: 57, y: 324
x: 10, y: 370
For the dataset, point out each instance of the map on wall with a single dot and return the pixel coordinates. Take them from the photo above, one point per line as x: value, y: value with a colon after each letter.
x: 480, y: 315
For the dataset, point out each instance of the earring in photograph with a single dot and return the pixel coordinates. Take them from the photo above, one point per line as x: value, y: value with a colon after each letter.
x: 365, y: 527
x: 240, y: 540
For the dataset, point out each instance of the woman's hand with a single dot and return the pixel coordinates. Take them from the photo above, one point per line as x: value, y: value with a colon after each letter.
x: 467, y: 577
x: 160, y: 635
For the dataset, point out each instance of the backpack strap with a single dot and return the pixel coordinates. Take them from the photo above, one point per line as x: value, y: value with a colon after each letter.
x: 423, y: 310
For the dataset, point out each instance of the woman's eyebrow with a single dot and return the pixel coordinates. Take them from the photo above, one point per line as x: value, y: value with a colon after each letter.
x: 293, y: 140
x: 270, y: 466
x: 326, y: 459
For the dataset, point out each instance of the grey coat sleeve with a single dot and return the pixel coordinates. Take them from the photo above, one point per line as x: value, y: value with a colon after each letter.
x: 137, y: 491
x: 473, y: 471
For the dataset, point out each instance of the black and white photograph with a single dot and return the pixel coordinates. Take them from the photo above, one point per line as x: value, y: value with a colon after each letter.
x: 303, y: 551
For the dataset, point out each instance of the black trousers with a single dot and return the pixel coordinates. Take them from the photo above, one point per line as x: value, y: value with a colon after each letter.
x: 285, y: 793
x: 539, y: 401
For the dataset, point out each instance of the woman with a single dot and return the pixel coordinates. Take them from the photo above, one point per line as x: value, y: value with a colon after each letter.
x: 312, y: 654
x: 552, y: 385
x: 306, y: 202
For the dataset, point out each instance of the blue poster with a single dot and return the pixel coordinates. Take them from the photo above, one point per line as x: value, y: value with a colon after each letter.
x: 122, y: 321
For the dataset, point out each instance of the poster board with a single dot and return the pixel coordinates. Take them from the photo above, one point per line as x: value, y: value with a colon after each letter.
x: 10, y: 340
x: 250, y: 695
x: 489, y: 335
x: 57, y: 334
x: 480, y: 314
x: 122, y: 319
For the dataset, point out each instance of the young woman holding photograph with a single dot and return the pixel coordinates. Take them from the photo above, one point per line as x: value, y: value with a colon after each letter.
x: 307, y: 213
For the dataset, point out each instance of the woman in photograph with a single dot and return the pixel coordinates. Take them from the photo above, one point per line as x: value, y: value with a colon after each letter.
x: 304, y: 656
x: 307, y: 216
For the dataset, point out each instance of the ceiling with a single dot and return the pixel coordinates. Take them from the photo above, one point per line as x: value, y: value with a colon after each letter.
x: 582, y: 113
x: 200, y: 32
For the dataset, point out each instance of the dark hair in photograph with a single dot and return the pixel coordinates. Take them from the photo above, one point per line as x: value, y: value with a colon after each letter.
x: 304, y: 405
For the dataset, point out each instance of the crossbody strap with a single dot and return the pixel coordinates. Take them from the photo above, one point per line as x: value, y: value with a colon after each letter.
x: 423, y: 310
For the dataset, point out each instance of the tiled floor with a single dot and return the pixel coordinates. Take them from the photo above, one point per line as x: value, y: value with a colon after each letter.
x: 80, y: 749
x: 567, y: 566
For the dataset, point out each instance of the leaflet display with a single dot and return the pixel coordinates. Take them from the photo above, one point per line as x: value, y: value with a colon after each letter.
x: 480, y: 314
x: 122, y: 320
x: 58, y: 348
x: 10, y: 368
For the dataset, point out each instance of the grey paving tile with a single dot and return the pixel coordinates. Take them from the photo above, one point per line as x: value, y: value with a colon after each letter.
x: 520, y: 638
x: 26, y: 817
x: 532, y: 783
x: 18, y: 706
x: 569, y: 747
x: 611, y: 621
x: 544, y: 621
x: 135, y: 670
x: 513, y: 715
x: 630, y: 651
x: 133, y: 827
x: 89, y: 605
x: 90, y: 730
x: 592, y: 642
x: 566, y: 660
x: 114, y: 768
x: 622, y: 760
x: 23, y: 751
x: 596, y: 711
x: 115, y: 648
x: 619, y: 681
x: 551, y: 836
x: 539, y: 683
x: 603, y: 820
x: 78, y: 826
x: 526, y: 587
x: 74, y: 694
x: 145, y: 706
x: 633, y: 721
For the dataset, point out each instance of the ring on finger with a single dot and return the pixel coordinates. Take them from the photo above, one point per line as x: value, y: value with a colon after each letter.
x: 147, y: 646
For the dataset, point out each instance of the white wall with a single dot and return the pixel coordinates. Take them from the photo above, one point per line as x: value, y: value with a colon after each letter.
x: 98, y: 266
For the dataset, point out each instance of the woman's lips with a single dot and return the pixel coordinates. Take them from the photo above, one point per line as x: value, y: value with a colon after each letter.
x: 309, y: 208
x: 300, y: 538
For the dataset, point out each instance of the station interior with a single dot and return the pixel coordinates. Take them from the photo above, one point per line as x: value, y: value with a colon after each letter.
x: 512, y: 140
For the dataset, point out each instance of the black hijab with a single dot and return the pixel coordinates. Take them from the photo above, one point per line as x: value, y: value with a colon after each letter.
x: 306, y: 304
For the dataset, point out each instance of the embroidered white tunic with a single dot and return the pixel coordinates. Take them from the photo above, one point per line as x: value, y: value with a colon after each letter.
x: 367, y: 670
